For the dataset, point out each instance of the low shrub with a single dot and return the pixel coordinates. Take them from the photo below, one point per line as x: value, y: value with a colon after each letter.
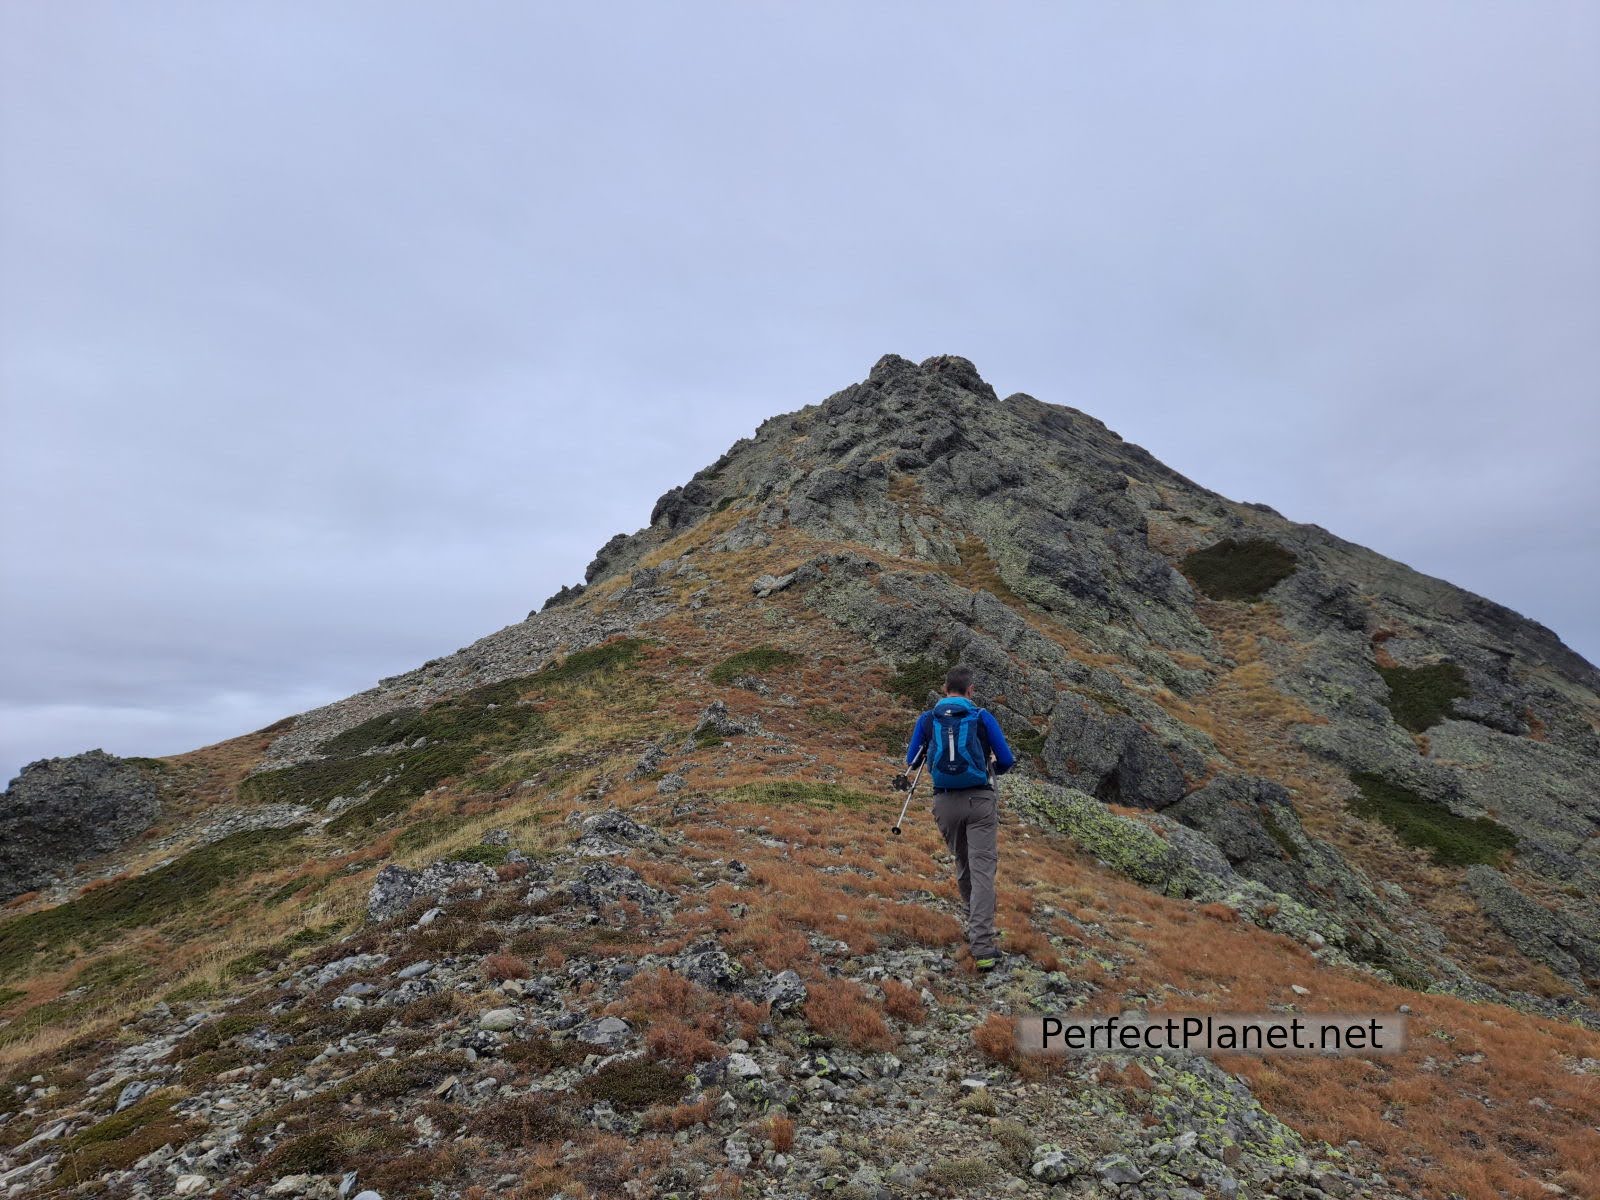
x: 917, y: 680
x: 142, y: 900
x: 633, y: 1084
x: 1451, y: 840
x: 1239, y: 569
x: 1420, y: 697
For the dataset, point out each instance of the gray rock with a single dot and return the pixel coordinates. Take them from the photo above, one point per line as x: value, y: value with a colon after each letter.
x: 767, y: 585
x: 1117, y: 1168
x: 710, y: 966
x: 500, y: 1020
x: 609, y: 1032
x: 133, y: 1093
x: 715, y: 720
x: 742, y: 1066
x: 785, y: 992
x: 1535, y: 929
x: 397, y: 888
x: 1052, y: 1164
x: 60, y: 811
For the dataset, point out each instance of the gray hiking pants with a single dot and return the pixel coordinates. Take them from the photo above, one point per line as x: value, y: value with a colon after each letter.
x: 970, y: 821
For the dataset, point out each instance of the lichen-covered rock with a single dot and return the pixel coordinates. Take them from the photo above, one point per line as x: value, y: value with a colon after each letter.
x: 1127, y: 845
x: 397, y: 888
x: 60, y: 811
x: 1537, y: 930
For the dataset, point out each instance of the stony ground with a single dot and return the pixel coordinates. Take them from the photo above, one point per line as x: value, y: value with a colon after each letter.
x: 575, y: 1016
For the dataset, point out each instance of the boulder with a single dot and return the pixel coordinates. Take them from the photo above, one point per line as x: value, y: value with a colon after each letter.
x: 60, y: 811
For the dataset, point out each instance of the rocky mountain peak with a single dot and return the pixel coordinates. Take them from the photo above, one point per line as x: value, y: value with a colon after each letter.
x: 605, y: 902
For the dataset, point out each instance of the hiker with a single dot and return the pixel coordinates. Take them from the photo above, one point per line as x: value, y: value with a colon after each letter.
x: 961, y: 739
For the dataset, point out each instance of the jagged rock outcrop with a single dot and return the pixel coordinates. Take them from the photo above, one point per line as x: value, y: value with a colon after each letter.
x: 60, y: 811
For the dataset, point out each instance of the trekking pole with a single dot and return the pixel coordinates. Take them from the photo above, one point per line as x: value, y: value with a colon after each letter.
x: 910, y: 791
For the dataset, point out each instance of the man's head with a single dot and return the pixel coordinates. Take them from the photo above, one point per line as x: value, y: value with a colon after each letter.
x: 958, y: 681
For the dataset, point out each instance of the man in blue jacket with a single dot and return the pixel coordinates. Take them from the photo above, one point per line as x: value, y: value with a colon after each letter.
x: 966, y: 750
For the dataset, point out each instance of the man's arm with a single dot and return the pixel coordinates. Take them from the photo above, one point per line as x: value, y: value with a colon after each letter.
x: 919, y: 739
x: 1004, y: 760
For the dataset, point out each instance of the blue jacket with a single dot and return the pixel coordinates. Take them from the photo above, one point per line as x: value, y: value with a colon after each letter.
x: 1004, y: 760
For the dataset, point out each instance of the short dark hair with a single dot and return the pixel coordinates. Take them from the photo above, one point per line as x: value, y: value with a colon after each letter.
x: 958, y: 680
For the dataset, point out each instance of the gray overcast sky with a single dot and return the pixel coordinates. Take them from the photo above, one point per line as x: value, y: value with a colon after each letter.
x: 334, y: 336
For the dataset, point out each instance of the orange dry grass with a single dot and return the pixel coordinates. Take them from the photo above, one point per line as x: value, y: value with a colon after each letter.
x: 683, y: 1116
x: 903, y: 1003
x: 498, y: 968
x: 780, y: 1131
x: 996, y: 1039
x: 839, y: 1009
x: 686, y: 1021
x: 1417, y: 1117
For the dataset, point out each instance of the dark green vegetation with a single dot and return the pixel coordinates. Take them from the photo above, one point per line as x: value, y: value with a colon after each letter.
x: 1239, y: 570
x: 916, y: 679
x: 541, y: 1055
x: 395, y: 757
x: 1453, y: 841
x: 1025, y: 740
x: 581, y: 664
x: 758, y: 660
x: 95, y: 987
x: 796, y: 791
x: 491, y: 856
x: 1420, y: 697
x: 633, y: 1084
x: 1278, y: 833
x: 889, y: 737
x: 146, y: 899
x: 121, y: 1140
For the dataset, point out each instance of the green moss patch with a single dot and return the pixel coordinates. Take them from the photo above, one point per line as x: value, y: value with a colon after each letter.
x: 147, y: 899
x: 758, y: 660
x: 581, y: 664
x: 387, y: 762
x: 1420, y: 697
x: 889, y: 737
x: 1452, y: 841
x: 1278, y: 833
x: 634, y: 1083
x: 1239, y: 569
x: 492, y: 856
x: 795, y: 791
x: 1026, y: 740
x: 120, y: 1140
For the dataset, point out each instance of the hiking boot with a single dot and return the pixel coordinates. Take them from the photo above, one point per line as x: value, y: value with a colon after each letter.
x: 986, y: 964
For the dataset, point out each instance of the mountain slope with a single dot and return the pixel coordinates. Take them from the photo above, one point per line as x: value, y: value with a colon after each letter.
x: 1255, y: 756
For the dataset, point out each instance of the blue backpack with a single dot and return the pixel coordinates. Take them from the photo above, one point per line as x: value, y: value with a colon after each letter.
x: 959, y: 755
